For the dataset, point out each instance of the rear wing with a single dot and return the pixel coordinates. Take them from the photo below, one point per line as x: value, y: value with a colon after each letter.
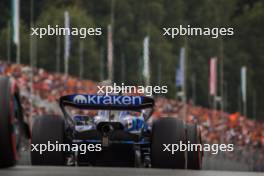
x: 104, y: 102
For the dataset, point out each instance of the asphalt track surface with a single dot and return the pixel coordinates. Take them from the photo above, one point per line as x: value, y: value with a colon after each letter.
x: 104, y: 171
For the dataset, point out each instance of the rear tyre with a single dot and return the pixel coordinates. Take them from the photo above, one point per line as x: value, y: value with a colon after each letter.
x: 7, y: 135
x: 48, y: 128
x: 194, y: 157
x: 167, y: 131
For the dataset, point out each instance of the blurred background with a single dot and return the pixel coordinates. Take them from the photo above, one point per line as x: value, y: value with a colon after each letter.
x: 218, y: 81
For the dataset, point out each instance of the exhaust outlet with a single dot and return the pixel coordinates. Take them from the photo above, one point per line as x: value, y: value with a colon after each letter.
x: 106, y: 129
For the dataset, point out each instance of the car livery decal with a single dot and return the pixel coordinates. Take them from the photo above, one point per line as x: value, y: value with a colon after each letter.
x: 106, y: 99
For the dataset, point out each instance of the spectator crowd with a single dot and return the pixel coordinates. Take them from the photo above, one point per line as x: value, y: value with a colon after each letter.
x: 39, y: 91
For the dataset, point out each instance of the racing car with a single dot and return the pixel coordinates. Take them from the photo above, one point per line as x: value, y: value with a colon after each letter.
x: 13, y: 127
x: 122, y: 126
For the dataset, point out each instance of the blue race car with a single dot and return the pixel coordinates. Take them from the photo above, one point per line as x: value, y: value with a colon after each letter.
x: 111, y: 130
